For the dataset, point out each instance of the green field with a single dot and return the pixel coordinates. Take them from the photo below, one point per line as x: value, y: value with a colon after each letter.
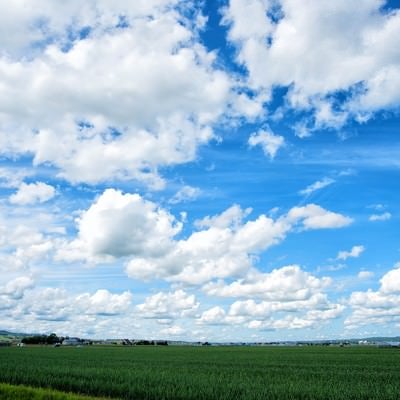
x: 147, y: 372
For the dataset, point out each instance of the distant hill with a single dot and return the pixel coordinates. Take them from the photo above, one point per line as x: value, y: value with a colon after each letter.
x: 13, y: 334
x: 383, y: 339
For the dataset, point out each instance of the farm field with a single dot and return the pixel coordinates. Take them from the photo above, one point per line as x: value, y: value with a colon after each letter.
x: 147, y: 372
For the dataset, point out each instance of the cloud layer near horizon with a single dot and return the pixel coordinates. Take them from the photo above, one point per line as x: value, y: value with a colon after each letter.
x: 170, y: 167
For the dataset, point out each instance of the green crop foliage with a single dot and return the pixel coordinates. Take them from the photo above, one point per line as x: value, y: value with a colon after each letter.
x: 13, y: 392
x: 174, y: 373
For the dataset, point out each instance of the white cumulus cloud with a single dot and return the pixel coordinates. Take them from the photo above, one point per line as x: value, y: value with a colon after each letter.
x: 269, y: 142
x: 104, y: 302
x: 289, y: 283
x: 355, y: 252
x: 168, y: 305
x: 213, y: 316
x: 127, y: 226
x: 31, y: 193
x: 149, y: 86
x: 231, y: 217
x: 318, y: 49
x: 313, y: 216
x: 16, y: 288
x: 118, y: 225
x: 380, y: 307
x: 287, y: 297
x: 390, y: 282
x: 172, y: 331
x: 58, y: 304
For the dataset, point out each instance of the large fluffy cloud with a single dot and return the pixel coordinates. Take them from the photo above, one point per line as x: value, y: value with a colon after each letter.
x: 56, y: 304
x: 15, y: 289
x: 268, y: 316
x: 121, y: 225
x: 288, y: 283
x: 318, y: 49
x: 216, y: 252
x: 227, y: 246
x: 285, y: 290
x: 24, y: 25
x: 145, y: 85
x: 104, y: 302
x: 22, y: 245
x: 381, y: 307
x: 118, y: 225
x: 166, y: 306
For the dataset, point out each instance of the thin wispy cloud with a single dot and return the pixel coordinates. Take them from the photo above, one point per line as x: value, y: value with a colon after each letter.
x: 380, y: 217
x: 187, y: 193
x: 318, y: 185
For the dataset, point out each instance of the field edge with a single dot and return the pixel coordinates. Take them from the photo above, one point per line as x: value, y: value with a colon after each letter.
x: 23, y: 392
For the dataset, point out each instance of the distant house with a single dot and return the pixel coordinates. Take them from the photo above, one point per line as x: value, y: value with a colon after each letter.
x: 73, y: 341
x: 389, y: 344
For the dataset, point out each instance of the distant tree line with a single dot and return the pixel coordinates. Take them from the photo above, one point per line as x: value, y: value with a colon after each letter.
x: 42, y: 339
x: 151, y: 342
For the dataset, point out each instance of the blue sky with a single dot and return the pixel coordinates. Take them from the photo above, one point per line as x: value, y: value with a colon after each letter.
x: 217, y: 170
